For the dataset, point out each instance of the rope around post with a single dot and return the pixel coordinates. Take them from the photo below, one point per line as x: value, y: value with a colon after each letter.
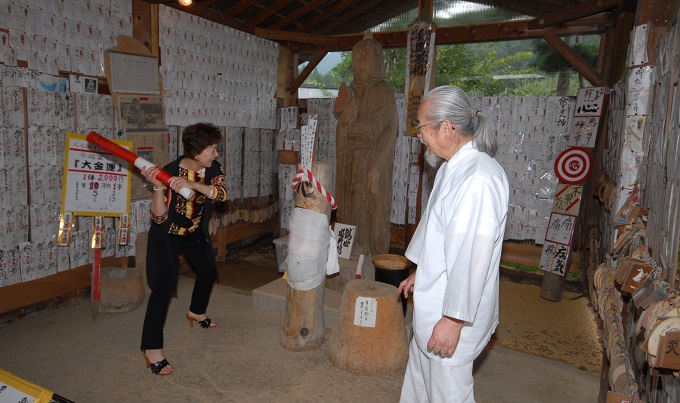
x: 300, y: 176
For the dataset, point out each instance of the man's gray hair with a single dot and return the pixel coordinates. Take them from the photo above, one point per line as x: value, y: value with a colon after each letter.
x: 450, y: 103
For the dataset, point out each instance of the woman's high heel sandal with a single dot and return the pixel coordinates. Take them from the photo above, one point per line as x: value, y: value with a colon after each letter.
x: 206, y: 323
x: 157, y: 367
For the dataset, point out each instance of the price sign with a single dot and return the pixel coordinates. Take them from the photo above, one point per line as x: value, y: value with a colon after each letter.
x: 95, y: 182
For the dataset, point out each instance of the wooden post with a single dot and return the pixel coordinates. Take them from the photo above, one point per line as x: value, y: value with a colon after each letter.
x: 368, y: 348
x: 552, y: 286
x: 303, y: 326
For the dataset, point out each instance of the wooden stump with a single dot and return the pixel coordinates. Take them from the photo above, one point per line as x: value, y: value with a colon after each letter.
x: 303, y: 325
x: 122, y: 290
x: 361, y: 347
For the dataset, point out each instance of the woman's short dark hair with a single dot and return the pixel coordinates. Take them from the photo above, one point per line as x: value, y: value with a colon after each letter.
x: 198, y: 137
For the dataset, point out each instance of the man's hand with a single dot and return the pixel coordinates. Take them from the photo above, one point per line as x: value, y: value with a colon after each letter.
x: 445, y: 336
x: 406, y: 286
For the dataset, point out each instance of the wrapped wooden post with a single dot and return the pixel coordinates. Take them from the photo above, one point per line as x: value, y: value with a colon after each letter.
x: 303, y: 325
x: 370, y: 338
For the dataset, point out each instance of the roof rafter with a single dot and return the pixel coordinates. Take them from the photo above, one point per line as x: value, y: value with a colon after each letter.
x: 297, y: 14
x: 268, y: 12
x: 574, y: 13
x: 325, y: 15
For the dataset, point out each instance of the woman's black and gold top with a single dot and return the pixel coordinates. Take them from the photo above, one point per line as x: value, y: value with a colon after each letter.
x: 185, y: 216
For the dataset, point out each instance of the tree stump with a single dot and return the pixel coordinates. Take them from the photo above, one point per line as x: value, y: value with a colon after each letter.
x: 122, y: 290
x: 303, y: 326
x: 364, y: 347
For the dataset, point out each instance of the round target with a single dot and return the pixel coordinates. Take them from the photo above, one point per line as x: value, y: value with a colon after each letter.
x: 573, y: 165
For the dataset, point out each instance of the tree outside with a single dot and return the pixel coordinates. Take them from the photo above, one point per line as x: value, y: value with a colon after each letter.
x: 528, y: 67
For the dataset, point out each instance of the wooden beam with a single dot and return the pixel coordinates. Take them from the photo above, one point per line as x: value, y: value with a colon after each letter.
x: 426, y: 10
x: 576, y: 60
x: 341, y: 22
x: 298, y: 37
x: 490, y: 32
x: 307, y: 71
x: 617, y: 40
x: 297, y: 14
x: 581, y: 10
x: 347, y: 16
x: 286, y: 73
x: 527, y: 7
x: 268, y: 12
x: 664, y: 12
x: 338, y: 9
x: 238, y: 8
x: 145, y: 24
x: 643, y: 15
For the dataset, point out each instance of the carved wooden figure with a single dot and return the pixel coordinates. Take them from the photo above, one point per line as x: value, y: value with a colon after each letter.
x: 366, y: 138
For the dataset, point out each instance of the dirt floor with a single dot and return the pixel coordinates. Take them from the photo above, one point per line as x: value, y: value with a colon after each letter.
x: 566, y: 331
x: 64, y: 350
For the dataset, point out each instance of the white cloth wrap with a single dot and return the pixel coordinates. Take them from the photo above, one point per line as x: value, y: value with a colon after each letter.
x: 308, y: 246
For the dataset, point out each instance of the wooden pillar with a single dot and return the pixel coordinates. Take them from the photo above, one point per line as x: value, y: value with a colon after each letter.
x: 145, y: 25
x: 287, y: 72
x: 303, y: 326
x: 552, y: 286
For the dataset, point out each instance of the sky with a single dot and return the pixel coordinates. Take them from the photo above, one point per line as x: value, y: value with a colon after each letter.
x: 328, y: 62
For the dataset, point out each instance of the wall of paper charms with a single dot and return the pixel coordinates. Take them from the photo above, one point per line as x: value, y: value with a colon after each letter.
x: 57, y: 37
x: 50, y: 40
x: 213, y: 73
x: 531, y: 133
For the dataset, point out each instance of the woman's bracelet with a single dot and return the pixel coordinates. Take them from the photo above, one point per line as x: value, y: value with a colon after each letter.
x: 155, y: 189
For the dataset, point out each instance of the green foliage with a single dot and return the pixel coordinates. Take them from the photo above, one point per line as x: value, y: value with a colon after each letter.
x: 473, y: 67
x: 548, y: 60
x: 342, y: 72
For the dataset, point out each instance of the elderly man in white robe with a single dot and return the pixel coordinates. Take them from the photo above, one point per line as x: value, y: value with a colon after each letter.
x: 457, y: 247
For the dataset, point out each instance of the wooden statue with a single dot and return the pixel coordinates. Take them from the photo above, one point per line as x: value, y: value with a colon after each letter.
x: 366, y: 137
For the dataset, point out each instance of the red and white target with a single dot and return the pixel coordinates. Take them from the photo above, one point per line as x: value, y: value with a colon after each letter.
x: 573, y: 165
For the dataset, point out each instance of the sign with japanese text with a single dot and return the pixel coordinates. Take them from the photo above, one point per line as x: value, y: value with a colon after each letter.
x: 95, y: 182
x: 567, y: 199
x: 365, y: 312
x: 554, y: 258
x: 345, y: 237
x: 583, y: 131
x: 560, y: 228
x: 419, y: 66
x: 589, y: 101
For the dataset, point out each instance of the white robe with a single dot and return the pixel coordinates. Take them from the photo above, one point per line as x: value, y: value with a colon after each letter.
x: 457, y: 247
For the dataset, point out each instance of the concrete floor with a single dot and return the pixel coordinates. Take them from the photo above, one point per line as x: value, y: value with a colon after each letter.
x: 241, y: 360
